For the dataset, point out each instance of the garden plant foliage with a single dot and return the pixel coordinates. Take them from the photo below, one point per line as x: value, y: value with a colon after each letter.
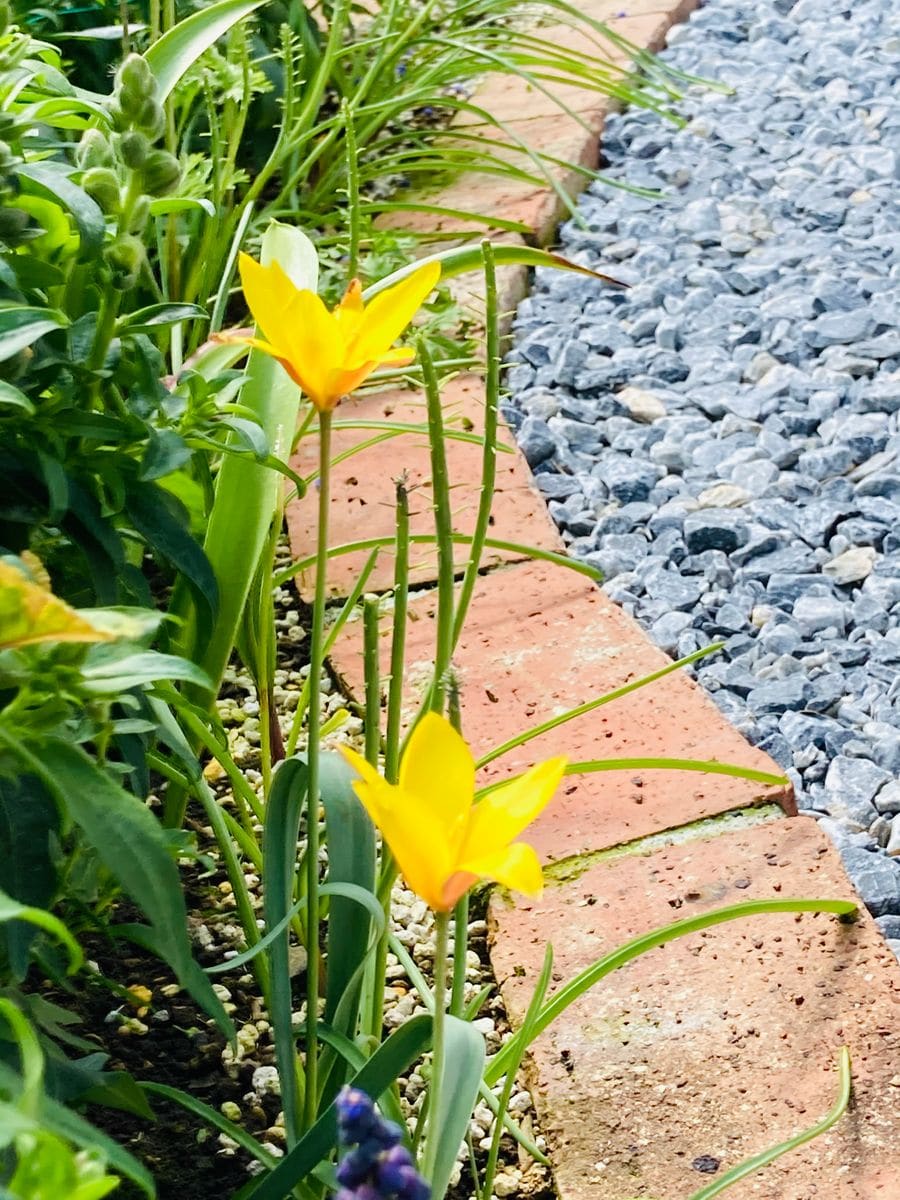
x: 144, y: 469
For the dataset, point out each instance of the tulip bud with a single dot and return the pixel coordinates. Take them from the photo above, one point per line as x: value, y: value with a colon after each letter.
x: 102, y: 185
x: 161, y: 173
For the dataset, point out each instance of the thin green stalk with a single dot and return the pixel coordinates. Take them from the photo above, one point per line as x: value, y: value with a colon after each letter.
x: 443, y: 525
x: 432, y: 1135
x: 245, y: 910
x: 353, y: 211
x: 460, y: 949
x: 387, y: 869
x: 520, y: 739
x: 340, y: 621
x: 489, y: 452
x: 461, y: 911
x: 313, y: 751
x: 428, y: 539
x: 372, y: 677
x: 398, y: 634
x: 757, y: 1161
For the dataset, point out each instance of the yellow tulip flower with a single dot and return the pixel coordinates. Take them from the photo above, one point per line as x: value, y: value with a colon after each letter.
x: 442, y: 840
x: 329, y: 354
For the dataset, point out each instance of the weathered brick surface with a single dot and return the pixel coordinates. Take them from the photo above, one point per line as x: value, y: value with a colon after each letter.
x: 363, y: 490
x: 541, y: 639
x: 717, y: 1045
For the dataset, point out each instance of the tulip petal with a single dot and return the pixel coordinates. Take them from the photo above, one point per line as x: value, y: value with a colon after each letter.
x: 505, y: 812
x: 270, y: 296
x: 437, y: 767
x: 390, y: 313
x: 515, y: 867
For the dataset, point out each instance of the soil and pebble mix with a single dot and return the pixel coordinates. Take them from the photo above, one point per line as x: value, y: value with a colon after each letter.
x: 723, y: 440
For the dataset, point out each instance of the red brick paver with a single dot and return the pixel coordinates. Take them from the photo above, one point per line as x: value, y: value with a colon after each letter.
x: 363, y: 492
x: 541, y: 639
x: 718, y: 1045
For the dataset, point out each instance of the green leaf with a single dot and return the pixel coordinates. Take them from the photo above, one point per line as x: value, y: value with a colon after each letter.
x: 21, y: 327
x: 248, y: 494
x: 390, y: 1060
x: 461, y: 259
x: 132, y: 846
x: 282, y: 828
x: 162, y: 520
x: 13, y: 398
x: 107, y: 676
x: 604, y: 966
x: 166, y: 452
x: 52, y: 182
x: 213, y: 1117
x: 351, y: 859
x: 67, y: 1124
x: 29, y: 820
x: 12, y: 910
x: 458, y: 1093
x: 156, y: 315
x: 178, y: 49
x: 167, y: 205
x: 753, y: 1164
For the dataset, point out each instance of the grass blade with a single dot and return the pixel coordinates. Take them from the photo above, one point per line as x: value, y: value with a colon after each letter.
x: 617, y: 958
x: 750, y: 1165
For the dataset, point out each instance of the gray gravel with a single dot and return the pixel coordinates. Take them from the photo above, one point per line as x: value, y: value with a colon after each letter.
x: 723, y: 440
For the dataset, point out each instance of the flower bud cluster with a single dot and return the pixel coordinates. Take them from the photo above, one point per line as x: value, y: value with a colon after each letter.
x: 379, y: 1167
x: 122, y: 170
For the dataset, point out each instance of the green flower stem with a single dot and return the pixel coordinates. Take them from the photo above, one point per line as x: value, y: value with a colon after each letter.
x: 388, y: 869
x: 460, y: 948
x: 398, y: 636
x: 313, y: 750
x: 461, y: 912
x: 353, y: 209
x: 443, y: 525
x: 489, y: 452
x: 441, y: 952
x: 373, y: 679
x: 349, y: 605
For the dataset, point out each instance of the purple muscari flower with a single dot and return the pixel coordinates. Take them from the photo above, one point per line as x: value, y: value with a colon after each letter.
x: 356, y: 1115
x: 390, y: 1166
x: 379, y: 1167
x: 355, y: 1167
x: 414, y: 1186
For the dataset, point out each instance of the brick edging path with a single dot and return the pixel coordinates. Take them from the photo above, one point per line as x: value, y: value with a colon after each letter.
x: 713, y: 1047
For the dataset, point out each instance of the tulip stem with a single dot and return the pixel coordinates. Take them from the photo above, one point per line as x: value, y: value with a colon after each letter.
x: 443, y: 528
x: 313, y: 749
x: 441, y: 953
